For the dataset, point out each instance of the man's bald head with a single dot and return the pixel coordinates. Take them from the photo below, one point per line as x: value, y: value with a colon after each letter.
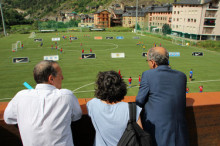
x: 159, y: 54
x: 43, y: 70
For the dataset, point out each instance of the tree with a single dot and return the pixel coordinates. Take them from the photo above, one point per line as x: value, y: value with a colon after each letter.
x: 166, y: 29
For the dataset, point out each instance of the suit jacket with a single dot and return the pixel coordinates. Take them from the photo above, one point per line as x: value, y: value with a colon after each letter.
x: 162, y: 96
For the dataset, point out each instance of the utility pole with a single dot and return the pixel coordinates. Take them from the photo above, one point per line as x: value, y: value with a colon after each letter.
x: 136, y: 16
x: 3, y: 22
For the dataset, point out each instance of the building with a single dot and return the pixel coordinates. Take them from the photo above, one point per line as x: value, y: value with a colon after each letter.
x: 196, y: 19
x: 158, y: 16
x: 87, y: 21
x: 129, y: 18
x: 117, y: 17
x: 102, y: 19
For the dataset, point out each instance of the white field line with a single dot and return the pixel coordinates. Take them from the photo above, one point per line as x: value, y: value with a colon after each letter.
x: 204, y: 81
x: 124, y: 78
x: 83, y: 86
x: 5, y: 99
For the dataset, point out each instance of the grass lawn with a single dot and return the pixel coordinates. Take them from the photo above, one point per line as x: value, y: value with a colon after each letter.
x: 80, y: 74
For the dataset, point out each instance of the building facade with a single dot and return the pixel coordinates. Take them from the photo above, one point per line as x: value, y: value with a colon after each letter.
x: 158, y: 16
x: 102, y: 19
x: 87, y: 21
x: 129, y: 19
x: 195, y: 19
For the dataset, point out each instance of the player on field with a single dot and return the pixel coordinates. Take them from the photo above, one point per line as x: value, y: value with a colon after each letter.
x: 187, y: 89
x: 200, y: 89
x: 190, y: 75
x: 129, y: 80
x: 139, y: 79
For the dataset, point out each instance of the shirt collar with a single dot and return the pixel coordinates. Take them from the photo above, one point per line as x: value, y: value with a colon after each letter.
x: 45, y: 86
x: 163, y: 67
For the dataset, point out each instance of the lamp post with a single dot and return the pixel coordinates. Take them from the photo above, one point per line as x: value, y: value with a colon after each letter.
x: 136, y: 16
x: 3, y: 23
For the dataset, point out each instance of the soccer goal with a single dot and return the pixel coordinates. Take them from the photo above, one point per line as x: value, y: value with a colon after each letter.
x: 32, y: 35
x: 18, y: 43
x: 178, y: 41
x: 14, y: 47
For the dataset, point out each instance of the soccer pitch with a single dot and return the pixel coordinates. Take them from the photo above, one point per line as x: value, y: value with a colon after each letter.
x: 80, y: 74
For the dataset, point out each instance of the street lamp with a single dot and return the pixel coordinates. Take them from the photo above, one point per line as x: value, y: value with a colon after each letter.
x: 3, y: 23
x: 136, y: 16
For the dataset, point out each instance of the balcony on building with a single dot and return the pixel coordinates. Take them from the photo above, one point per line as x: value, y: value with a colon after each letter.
x: 208, y: 30
x: 210, y: 14
x: 209, y: 22
x: 212, y: 7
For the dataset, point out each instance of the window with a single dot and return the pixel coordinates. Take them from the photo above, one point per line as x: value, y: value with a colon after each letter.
x: 178, y: 12
x: 188, y: 20
x: 174, y: 12
x: 177, y: 19
x: 195, y: 20
x: 191, y: 20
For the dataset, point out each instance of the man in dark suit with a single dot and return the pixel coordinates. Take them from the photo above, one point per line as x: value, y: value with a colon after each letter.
x: 162, y: 96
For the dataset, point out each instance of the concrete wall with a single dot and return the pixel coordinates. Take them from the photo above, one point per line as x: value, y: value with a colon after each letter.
x: 202, y: 114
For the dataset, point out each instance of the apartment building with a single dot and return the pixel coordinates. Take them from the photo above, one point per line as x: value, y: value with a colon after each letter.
x: 129, y: 18
x: 87, y: 21
x: 159, y: 15
x: 196, y: 19
x: 102, y: 19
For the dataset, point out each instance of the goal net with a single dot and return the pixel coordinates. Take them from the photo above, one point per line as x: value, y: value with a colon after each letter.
x: 32, y: 35
x: 178, y: 41
x: 18, y: 44
x: 14, y: 47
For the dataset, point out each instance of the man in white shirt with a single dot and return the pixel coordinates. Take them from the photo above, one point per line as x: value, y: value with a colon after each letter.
x: 44, y: 114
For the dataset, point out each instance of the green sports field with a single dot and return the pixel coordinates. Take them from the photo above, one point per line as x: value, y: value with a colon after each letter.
x: 80, y: 74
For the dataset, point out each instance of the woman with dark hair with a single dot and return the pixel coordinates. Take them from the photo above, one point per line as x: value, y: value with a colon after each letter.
x: 109, y: 115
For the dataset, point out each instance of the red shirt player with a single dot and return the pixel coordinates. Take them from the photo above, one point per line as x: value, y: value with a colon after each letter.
x: 119, y: 72
x: 61, y: 50
x: 90, y: 50
x: 22, y: 46
x: 129, y: 80
x: 187, y: 89
x: 139, y: 80
x: 82, y: 50
x: 56, y: 47
x: 200, y: 89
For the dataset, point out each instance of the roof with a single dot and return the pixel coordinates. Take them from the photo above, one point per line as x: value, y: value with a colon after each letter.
x: 118, y: 11
x: 192, y: 2
x: 101, y: 11
x: 167, y: 8
x: 133, y: 14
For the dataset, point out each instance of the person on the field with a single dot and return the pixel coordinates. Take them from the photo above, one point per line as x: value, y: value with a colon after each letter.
x: 44, y: 114
x: 190, y: 75
x: 200, y: 89
x: 139, y: 79
x: 187, y: 89
x: 129, y: 81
